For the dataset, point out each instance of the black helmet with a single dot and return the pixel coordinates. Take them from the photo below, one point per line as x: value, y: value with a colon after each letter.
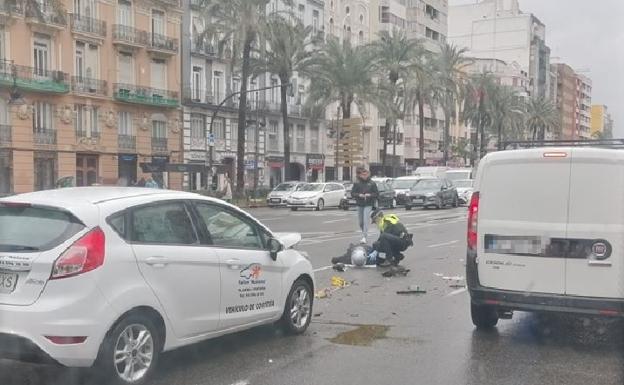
x: 375, y: 214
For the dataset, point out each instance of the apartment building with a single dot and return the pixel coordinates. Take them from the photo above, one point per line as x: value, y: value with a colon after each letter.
x: 209, y: 79
x: 89, y: 91
x: 566, y: 101
x: 583, y: 106
x: 601, y: 121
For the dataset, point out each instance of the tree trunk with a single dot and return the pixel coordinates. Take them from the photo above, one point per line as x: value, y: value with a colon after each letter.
x: 242, y: 117
x: 421, y: 123
x: 384, y: 160
x: 447, y: 127
x: 284, y: 106
x: 500, y: 137
x: 394, y: 144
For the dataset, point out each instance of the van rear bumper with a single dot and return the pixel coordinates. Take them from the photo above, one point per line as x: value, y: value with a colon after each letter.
x: 524, y: 301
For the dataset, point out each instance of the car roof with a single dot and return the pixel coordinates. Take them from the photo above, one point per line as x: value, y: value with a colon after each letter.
x: 91, y: 195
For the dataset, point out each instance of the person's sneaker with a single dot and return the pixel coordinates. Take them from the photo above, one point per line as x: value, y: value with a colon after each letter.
x: 363, y: 240
x: 383, y: 262
x: 399, y: 257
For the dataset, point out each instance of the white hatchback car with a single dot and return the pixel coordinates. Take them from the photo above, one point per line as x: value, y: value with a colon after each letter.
x: 113, y: 276
x: 317, y: 196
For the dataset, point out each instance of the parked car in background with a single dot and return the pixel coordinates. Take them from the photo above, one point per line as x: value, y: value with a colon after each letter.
x: 382, y: 179
x: 387, y: 196
x: 456, y: 174
x: 279, y: 195
x: 432, y: 192
x: 114, y: 276
x: 464, y: 188
x: 402, y: 186
x: 317, y: 196
x: 431, y: 171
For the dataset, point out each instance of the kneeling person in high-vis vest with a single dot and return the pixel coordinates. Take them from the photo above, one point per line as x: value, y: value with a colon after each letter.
x: 393, y: 240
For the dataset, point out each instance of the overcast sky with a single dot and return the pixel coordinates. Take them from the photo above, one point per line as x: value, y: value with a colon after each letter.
x: 587, y: 35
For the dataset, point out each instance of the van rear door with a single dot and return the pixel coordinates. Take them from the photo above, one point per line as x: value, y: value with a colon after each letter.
x: 522, y: 220
x: 595, y: 265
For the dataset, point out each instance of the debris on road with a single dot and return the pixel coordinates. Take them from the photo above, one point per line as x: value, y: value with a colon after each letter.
x: 340, y: 267
x: 318, y: 314
x: 339, y: 282
x: 395, y: 271
x: 412, y: 289
x: 323, y: 293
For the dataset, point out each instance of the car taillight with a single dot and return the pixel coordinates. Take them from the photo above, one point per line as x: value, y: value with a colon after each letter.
x: 84, y: 255
x: 473, y: 218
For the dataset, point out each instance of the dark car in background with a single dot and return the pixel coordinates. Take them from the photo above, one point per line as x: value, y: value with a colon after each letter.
x: 432, y: 192
x: 387, y: 196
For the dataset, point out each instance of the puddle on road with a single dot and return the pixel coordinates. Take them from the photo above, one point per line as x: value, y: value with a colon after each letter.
x: 364, y: 335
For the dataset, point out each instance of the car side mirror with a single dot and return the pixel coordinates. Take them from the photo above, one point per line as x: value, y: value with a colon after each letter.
x: 274, y: 246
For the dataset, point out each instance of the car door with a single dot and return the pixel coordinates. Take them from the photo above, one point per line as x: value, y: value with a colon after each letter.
x: 183, y: 274
x: 449, y: 192
x: 595, y: 233
x: 338, y: 193
x: 251, y: 281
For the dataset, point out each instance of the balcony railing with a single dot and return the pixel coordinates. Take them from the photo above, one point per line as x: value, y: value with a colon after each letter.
x: 85, y: 85
x: 144, y: 95
x: 126, y: 142
x: 192, y: 95
x: 5, y: 135
x: 203, y: 48
x: 47, y: 15
x: 89, y: 25
x: 86, y: 134
x: 163, y: 43
x: 44, y: 136
x: 159, y: 145
x: 11, y: 7
x: 33, y: 79
x: 129, y: 35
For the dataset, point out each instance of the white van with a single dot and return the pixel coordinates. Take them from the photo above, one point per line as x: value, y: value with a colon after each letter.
x: 546, y: 233
x: 456, y: 174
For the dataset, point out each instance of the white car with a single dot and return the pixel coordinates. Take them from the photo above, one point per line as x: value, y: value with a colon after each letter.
x: 317, y: 196
x: 545, y: 233
x: 464, y: 190
x: 113, y: 276
x: 279, y: 195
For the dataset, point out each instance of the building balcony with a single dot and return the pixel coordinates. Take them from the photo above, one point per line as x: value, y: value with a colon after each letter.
x: 162, y: 44
x: 126, y: 142
x: 11, y: 8
x: 83, y: 85
x: 196, y: 96
x: 44, y: 136
x: 6, y: 135
x: 203, y: 49
x: 88, y: 26
x: 125, y: 35
x: 129, y: 93
x: 33, y: 79
x: 295, y: 110
x: 172, y: 3
x: 88, y: 135
x: 159, y: 146
x: 47, y: 17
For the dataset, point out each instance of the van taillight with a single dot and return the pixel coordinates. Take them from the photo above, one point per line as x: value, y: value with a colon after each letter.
x: 84, y: 255
x: 473, y: 218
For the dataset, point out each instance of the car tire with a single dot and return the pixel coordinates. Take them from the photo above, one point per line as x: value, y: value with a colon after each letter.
x: 456, y: 201
x: 439, y: 204
x: 293, y: 208
x: 297, y: 307
x: 320, y: 204
x: 483, y: 316
x: 135, y: 327
x: 408, y: 207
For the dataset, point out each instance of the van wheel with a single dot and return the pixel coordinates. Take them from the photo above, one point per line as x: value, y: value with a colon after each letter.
x: 293, y: 209
x: 130, y: 351
x: 483, y: 316
x: 298, y: 310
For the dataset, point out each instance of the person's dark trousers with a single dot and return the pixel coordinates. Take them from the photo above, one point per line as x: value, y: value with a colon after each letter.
x: 391, y: 245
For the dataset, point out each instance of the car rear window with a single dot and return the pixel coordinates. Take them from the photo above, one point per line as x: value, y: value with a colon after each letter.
x: 24, y: 228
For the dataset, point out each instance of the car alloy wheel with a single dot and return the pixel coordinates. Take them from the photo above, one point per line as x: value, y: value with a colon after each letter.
x: 320, y: 205
x: 298, y: 310
x: 134, y: 353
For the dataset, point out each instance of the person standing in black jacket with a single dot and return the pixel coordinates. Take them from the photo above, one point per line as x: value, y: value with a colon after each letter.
x: 365, y: 193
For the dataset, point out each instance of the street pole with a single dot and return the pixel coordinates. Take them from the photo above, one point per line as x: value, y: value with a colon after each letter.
x: 337, y: 138
x: 257, y: 139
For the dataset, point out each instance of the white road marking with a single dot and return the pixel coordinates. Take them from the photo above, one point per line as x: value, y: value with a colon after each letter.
x: 455, y: 292
x: 337, y: 220
x: 322, y: 268
x: 241, y: 382
x: 444, y: 244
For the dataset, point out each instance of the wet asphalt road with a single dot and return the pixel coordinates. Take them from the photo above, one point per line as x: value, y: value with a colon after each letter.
x: 367, y: 334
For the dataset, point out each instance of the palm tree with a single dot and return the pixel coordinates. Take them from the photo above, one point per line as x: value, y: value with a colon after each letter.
x: 342, y: 73
x: 541, y: 116
x: 241, y: 22
x: 451, y: 77
x: 394, y: 55
x: 506, y: 112
x: 476, y: 108
x: 422, y: 85
x: 290, y: 47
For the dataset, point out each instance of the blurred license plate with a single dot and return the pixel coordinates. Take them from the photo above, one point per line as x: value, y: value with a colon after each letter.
x: 351, y: 201
x: 8, y: 281
x: 418, y: 200
x: 275, y: 200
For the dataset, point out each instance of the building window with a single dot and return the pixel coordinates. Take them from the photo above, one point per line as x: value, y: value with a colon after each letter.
x: 347, y: 10
x: 253, y: 96
x: 432, y: 12
x: 41, y: 56
x: 361, y: 19
x: 85, y: 8
x: 315, y: 21
x: 124, y: 120
x: 301, y: 95
x: 126, y: 68
x: 300, y: 138
x: 2, y: 43
x: 42, y: 117
x: 158, y: 23
x: 159, y: 74
x: 273, y: 138
x: 273, y: 96
x: 217, y: 86
x: 124, y: 13
x: 301, y: 12
x: 86, y: 121
x: 198, y: 127
x: 385, y: 16
x: 250, y: 138
x: 331, y: 26
x: 45, y: 168
x: 6, y: 173
x: 431, y: 34
x: 86, y: 170
x: 159, y: 129
x: 361, y: 37
x: 197, y: 81
x: 218, y: 128
x: 314, y: 139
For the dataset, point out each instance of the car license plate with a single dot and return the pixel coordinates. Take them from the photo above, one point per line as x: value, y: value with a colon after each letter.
x: 275, y: 200
x: 351, y: 201
x: 418, y: 200
x: 8, y: 281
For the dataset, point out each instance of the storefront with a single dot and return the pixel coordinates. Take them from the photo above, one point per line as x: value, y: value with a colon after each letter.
x: 275, y: 165
x: 315, y: 164
x: 127, y: 168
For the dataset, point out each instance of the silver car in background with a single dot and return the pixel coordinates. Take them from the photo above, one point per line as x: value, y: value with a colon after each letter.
x: 465, y: 188
x: 280, y: 194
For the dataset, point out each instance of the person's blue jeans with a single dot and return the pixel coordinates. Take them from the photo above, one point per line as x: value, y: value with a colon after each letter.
x: 364, y: 218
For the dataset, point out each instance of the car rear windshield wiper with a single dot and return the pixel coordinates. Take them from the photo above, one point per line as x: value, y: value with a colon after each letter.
x: 18, y: 248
